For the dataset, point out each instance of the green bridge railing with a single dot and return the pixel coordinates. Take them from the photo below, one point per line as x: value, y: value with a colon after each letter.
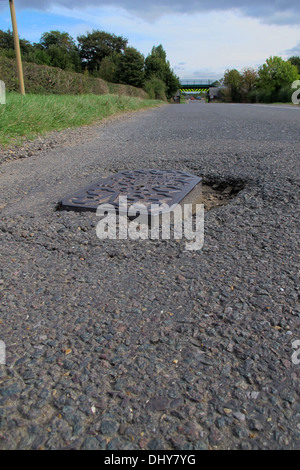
x: 192, y: 83
x: 196, y: 86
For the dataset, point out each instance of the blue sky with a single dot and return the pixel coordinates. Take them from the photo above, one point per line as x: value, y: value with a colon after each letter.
x: 200, y: 41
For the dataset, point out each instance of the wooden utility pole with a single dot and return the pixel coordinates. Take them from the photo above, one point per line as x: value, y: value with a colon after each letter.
x: 17, y: 46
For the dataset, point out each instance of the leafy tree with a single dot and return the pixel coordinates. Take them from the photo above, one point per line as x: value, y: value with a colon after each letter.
x: 56, y: 38
x: 295, y: 60
x: 155, y: 88
x: 276, y: 73
x: 108, y: 67
x: 218, y: 83
x: 101, y: 54
x: 234, y: 82
x: 157, y: 65
x: 7, y: 43
x: 130, y: 69
x: 38, y: 56
x: 6, y: 40
x: 61, y: 49
x: 249, y: 76
x: 93, y: 47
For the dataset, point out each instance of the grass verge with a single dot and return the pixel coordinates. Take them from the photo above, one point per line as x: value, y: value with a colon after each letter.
x: 26, y: 117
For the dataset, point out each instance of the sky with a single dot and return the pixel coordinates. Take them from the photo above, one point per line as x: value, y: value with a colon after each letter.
x: 202, y: 39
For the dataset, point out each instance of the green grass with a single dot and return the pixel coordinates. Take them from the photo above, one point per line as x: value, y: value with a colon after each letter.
x: 26, y: 117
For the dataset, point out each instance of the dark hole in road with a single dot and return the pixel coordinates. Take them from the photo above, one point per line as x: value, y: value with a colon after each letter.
x: 216, y: 193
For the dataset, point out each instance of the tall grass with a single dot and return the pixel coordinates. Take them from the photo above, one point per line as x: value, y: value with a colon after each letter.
x: 31, y: 115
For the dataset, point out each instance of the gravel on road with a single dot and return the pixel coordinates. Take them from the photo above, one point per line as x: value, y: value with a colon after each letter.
x: 130, y: 345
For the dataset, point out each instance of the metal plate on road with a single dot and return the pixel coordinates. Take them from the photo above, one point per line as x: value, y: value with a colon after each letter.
x: 146, y: 187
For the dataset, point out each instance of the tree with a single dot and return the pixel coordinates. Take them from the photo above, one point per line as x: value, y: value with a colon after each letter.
x: 130, y: 68
x: 38, y: 56
x: 56, y: 38
x: 155, y: 88
x: 249, y: 76
x: 7, y: 43
x: 6, y: 40
x: 61, y: 49
x: 157, y: 65
x: 277, y: 73
x: 295, y: 60
x: 93, y: 47
x: 30, y: 52
x: 108, y: 67
x: 233, y: 80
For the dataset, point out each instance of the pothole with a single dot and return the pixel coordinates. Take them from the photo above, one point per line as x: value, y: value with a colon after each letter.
x: 219, y: 194
x: 149, y: 188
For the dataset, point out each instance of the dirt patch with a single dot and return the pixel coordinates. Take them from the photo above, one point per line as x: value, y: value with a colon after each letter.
x: 218, y: 193
x: 214, y: 196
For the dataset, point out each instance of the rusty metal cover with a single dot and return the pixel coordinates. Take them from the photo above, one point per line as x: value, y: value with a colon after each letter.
x: 139, y: 186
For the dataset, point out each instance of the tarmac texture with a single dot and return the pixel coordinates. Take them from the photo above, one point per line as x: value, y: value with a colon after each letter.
x: 142, y: 344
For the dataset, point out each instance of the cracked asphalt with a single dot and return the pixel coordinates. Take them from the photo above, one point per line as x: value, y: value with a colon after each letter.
x: 142, y: 345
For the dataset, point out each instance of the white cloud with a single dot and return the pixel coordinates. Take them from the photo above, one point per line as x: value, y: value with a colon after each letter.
x: 200, y: 45
x: 295, y: 51
x: 270, y: 11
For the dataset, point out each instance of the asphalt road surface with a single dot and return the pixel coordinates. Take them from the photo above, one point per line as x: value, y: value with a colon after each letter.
x: 130, y: 345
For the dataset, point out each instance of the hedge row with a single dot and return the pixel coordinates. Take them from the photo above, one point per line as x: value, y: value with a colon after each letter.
x: 41, y: 79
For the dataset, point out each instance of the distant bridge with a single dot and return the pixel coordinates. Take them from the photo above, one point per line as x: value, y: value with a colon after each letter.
x: 197, y: 85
